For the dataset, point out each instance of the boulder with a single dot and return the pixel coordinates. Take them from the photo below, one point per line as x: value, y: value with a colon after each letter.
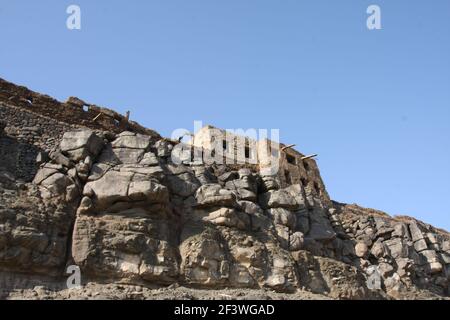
x: 435, y: 267
x: 405, y: 267
x: 183, y: 185
x: 148, y: 191
x: 229, y: 218
x: 214, y: 195
x: 204, y: 259
x: 320, y: 226
x: 128, y: 246
x: 127, y: 155
x: 270, y: 183
x: 77, y: 145
x: 290, y: 198
x: 57, y: 183
x: 420, y: 245
x: 416, y: 234
x: 98, y: 170
x: 385, y: 269
x: 283, y: 217
x: 114, y: 187
x: 432, y: 238
x: 228, y: 176
x: 296, y: 241
x: 379, y: 250
x: 397, y: 248
x: 400, y: 230
x: 44, y: 173
x: 163, y: 148
x: 361, y: 249
x: 303, y: 221
x: 155, y: 172
x: 61, y: 159
x: 149, y: 159
x: 132, y: 142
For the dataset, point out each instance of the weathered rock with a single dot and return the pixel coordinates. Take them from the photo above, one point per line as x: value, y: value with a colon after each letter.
x: 385, y: 269
x: 44, y: 173
x: 405, y: 267
x: 290, y: 198
x: 163, y: 148
x: 214, y: 195
x: 148, y: 191
x: 129, y: 246
x: 77, y: 145
x: 283, y: 217
x: 420, y: 245
x: 416, y: 234
x: 184, y: 185
x: 320, y: 226
x: 361, y: 249
x: 229, y: 218
x: 115, y: 187
x: 379, y: 250
x: 296, y: 241
x: 57, y: 184
x: 400, y: 230
x: 149, y: 159
x: 336, y: 279
x: 228, y: 176
x: 397, y: 248
x: 132, y: 142
x: 34, y: 234
x: 204, y: 260
x: 61, y: 159
x: 134, y: 216
x: 270, y: 183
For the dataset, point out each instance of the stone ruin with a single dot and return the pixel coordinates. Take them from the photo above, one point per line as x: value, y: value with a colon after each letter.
x: 87, y: 187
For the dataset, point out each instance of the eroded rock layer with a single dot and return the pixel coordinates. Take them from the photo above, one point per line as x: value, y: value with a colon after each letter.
x: 113, y: 203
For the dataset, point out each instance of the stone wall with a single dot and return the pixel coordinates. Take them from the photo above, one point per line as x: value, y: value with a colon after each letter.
x: 18, y: 158
x: 26, y: 134
x: 35, y: 123
x: 34, y: 129
x: 73, y: 112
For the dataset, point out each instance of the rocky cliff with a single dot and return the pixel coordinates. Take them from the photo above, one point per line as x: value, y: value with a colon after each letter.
x: 80, y: 185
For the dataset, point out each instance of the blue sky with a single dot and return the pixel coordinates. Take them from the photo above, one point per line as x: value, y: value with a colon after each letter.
x: 375, y: 105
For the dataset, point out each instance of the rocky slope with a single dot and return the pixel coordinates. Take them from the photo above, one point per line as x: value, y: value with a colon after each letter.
x: 103, y: 194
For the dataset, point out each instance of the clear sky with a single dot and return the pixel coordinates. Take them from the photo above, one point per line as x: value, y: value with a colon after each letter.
x: 375, y: 105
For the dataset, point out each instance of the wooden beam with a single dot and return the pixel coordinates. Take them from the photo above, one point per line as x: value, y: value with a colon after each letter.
x: 288, y: 147
x: 98, y: 116
x: 309, y: 157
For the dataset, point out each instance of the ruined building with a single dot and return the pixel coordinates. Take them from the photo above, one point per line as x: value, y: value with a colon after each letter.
x: 83, y: 186
x: 268, y: 157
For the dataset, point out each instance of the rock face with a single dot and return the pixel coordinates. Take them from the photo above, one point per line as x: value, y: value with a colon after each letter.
x: 115, y: 205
